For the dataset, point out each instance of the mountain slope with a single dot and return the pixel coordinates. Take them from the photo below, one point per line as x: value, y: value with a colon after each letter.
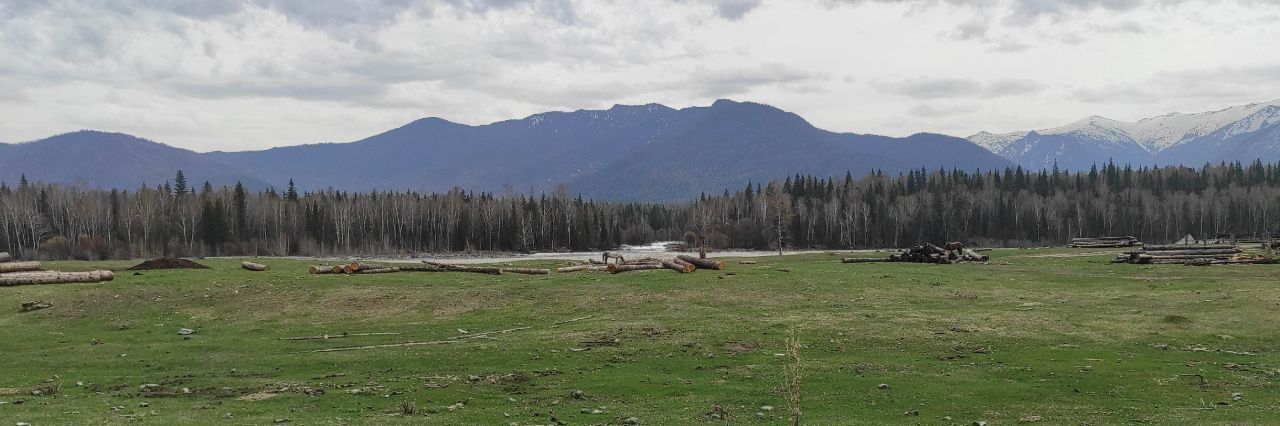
x: 111, y: 160
x: 733, y: 143
x: 644, y: 152
x: 1241, y: 133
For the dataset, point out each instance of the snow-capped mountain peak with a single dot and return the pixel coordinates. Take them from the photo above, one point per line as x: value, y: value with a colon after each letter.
x: 1173, y: 135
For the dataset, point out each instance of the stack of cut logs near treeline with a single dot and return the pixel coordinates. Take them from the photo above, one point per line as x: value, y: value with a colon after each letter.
x: 29, y: 273
x: 1104, y: 242
x: 949, y: 253
x: 681, y: 263
x: 1193, y: 255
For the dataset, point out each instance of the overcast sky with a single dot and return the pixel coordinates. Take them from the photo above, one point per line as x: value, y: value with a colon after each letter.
x: 250, y: 74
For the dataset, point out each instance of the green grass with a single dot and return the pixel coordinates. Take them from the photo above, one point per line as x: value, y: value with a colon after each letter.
x: 1073, y: 340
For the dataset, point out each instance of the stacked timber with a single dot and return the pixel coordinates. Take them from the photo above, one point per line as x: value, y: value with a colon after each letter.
x: 927, y: 253
x: 347, y: 268
x: 1104, y: 242
x: 30, y: 273
x: 1191, y: 255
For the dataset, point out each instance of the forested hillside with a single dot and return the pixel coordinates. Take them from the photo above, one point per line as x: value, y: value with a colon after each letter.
x: 1010, y: 207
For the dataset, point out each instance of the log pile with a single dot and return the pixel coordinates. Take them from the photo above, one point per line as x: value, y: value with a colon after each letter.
x: 30, y: 273
x: 927, y: 253
x: 1199, y: 255
x: 1104, y: 242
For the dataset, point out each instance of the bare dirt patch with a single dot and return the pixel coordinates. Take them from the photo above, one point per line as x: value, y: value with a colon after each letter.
x: 167, y: 263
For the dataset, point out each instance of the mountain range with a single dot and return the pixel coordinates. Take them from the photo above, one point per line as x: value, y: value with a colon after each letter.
x: 1241, y: 133
x: 641, y: 153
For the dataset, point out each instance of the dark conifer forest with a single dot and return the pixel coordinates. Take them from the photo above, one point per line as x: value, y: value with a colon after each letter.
x: 1011, y: 207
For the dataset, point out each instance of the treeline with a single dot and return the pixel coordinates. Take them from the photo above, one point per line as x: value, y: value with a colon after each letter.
x: 1013, y: 207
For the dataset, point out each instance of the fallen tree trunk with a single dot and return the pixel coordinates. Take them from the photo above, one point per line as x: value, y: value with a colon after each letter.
x: 445, y: 267
x: 1189, y: 247
x: 324, y: 269
x: 691, y: 266
x: 971, y: 255
x: 376, y: 271
x: 747, y: 262
x: 672, y: 265
x: 1207, y: 252
x: 864, y: 259
x: 527, y: 271
x: 617, y: 269
x: 54, y: 277
x: 254, y: 266
x: 703, y: 263
x: 592, y: 268
x: 19, y: 267
x: 5, y: 256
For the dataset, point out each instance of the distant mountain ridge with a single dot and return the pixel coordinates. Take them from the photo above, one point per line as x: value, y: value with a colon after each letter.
x: 1241, y: 133
x: 636, y: 153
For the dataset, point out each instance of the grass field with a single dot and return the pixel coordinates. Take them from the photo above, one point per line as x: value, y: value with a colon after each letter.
x: 1033, y: 335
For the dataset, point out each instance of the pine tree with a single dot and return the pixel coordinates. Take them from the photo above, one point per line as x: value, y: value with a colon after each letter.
x: 291, y: 193
x: 240, y: 205
x: 180, y: 184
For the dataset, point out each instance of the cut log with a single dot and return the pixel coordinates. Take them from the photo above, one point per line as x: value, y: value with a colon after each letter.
x: 5, y: 256
x: 592, y: 268
x: 527, y: 271
x: 974, y: 256
x: 681, y: 268
x: 1189, y: 247
x: 1208, y: 252
x: 864, y: 259
x: 691, y: 266
x: 19, y: 267
x: 703, y: 263
x: 254, y: 266
x: 376, y: 271
x: 54, y: 277
x: 747, y: 262
x: 445, y: 267
x: 324, y: 269
x: 617, y: 269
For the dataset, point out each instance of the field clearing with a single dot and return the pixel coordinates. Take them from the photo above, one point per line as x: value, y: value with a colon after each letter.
x: 1033, y: 334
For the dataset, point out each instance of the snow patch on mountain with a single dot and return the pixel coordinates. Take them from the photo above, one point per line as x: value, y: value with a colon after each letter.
x: 1154, y: 134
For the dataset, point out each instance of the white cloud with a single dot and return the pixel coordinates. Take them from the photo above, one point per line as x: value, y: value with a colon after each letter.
x: 242, y: 74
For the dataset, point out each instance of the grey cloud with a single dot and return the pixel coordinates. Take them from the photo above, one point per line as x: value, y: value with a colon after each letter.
x: 943, y: 110
x: 724, y: 83
x: 735, y: 9
x: 941, y: 88
x: 1197, y: 85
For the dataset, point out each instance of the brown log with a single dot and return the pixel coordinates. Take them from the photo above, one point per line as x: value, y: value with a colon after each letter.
x: 19, y: 267
x: 527, y: 271
x: 617, y: 269
x: 864, y: 259
x: 254, y: 266
x: 5, y: 256
x: 1210, y: 252
x: 54, y: 277
x: 421, y: 268
x: 747, y: 262
x: 576, y: 268
x: 1189, y: 247
x: 973, y: 256
x: 324, y: 269
x: 703, y: 263
x: 445, y: 267
x: 681, y: 268
x: 363, y: 271
x: 691, y: 266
